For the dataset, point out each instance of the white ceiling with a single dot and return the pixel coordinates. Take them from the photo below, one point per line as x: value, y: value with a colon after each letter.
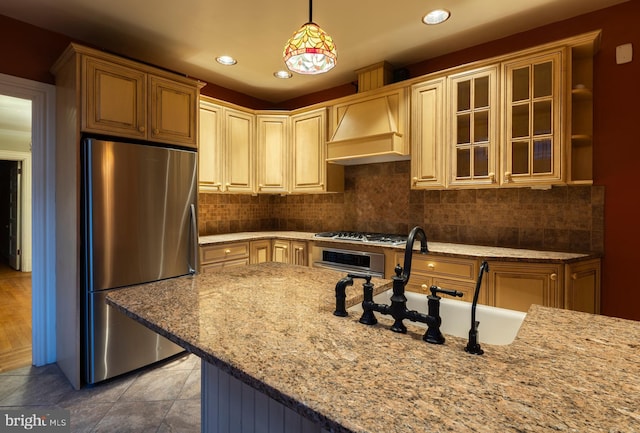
x: 186, y: 35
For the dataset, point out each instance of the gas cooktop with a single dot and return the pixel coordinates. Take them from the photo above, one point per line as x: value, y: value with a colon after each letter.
x: 365, y: 237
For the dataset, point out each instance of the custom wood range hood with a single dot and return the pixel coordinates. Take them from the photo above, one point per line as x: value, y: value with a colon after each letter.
x: 372, y: 127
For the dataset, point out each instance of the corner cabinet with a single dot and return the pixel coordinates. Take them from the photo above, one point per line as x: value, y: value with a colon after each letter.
x: 132, y: 102
x: 273, y: 153
x: 292, y: 252
x: 247, y: 151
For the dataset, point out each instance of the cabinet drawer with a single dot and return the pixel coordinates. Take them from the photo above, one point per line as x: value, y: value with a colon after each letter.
x: 448, y: 267
x: 211, y: 267
x: 209, y: 254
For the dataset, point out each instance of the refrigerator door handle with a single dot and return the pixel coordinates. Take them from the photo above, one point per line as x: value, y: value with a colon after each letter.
x: 194, y: 233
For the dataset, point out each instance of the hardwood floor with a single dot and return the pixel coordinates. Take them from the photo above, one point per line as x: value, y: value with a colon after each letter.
x: 15, y: 318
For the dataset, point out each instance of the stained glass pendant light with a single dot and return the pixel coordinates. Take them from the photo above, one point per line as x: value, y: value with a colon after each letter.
x: 310, y: 50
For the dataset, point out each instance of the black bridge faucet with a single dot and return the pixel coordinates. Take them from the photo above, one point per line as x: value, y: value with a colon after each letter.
x: 398, y: 308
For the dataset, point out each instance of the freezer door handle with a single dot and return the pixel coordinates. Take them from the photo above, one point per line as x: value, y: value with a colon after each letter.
x: 194, y: 240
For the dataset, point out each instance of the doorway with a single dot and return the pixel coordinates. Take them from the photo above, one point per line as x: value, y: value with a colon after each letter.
x: 15, y: 227
x: 37, y: 250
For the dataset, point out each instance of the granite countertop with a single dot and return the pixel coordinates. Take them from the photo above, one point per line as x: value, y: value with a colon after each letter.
x: 435, y: 248
x: 271, y: 326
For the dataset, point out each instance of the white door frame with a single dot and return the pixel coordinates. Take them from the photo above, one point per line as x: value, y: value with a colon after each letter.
x: 43, y: 276
x: 25, y: 205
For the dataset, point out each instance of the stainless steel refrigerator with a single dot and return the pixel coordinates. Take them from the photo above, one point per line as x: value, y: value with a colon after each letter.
x: 139, y: 225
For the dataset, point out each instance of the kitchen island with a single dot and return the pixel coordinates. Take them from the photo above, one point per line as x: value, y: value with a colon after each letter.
x: 270, y: 326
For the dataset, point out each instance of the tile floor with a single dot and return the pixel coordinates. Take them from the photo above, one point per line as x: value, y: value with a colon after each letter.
x: 162, y: 399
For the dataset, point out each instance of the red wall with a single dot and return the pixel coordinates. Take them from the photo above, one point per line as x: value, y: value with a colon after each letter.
x: 28, y: 52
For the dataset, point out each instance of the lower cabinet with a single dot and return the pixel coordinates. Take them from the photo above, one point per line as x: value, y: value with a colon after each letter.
x: 516, y: 286
x: 582, y: 286
x: 508, y: 284
x: 260, y: 251
x: 451, y: 273
x: 292, y: 252
x: 214, y: 257
x: 218, y: 256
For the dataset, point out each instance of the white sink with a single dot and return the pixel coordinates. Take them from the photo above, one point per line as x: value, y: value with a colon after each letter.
x: 498, y: 326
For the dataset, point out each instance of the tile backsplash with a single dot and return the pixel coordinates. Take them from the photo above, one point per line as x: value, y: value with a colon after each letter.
x: 378, y: 198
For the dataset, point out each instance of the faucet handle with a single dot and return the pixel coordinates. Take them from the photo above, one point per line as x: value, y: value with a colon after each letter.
x: 436, y: 289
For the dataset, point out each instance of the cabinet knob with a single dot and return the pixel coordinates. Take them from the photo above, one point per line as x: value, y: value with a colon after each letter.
x: 574, y: 276
x: 227, y: 251
x: 553, y: 277
x: 260, y: 186
x: 431, y: 266
x: 424, y: 288
x: 141, y: 128
x: 414, y: 180
x: 156, y: 131
x: 507, y: 176
x: 492, y: 177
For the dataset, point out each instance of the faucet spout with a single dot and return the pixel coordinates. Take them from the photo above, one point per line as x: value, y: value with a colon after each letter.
x: 415, y: 233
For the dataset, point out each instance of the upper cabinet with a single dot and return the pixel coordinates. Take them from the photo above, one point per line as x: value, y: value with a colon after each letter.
x: 523, y: 119
x: 533, y: 139
x: 246, y: 151
x: 310, y: 171
x: 474, y: 127
x: 273, y: 146
x: 427, y: 134
x: 238, y: 150
x: 126, y: 99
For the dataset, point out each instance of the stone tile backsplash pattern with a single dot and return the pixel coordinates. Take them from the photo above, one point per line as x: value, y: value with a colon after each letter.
x: 378, y: 198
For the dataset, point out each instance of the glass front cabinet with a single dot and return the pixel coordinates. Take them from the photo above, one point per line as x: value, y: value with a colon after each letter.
x: 533, y: 142
x: 474, y: 128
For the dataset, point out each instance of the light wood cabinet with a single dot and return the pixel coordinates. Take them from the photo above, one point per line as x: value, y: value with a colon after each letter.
x: 273, y: 157
x: 227, y: 149
x: 310, y: 171
x: 245, y: 152
x: 260, y: 251
x: 473, y: 157
x: 522, y: 119
x: 292, y: 252
x: 516, y: 286
x: 214, y: 257
x: 452, y: 273
x: 427, y: 134
x: 210, y: 152
x: 239, y: 150
x: 582, y: 286
x: 533, y: 140
x: 131, y: 102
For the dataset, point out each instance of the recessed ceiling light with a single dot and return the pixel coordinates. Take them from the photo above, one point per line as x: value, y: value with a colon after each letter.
x: 282, y: 74
x: 226, y: 60
x: 436, y: 16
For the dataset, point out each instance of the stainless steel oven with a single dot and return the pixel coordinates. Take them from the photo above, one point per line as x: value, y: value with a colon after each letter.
x: 363, y: 262
x: 350, y: 251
